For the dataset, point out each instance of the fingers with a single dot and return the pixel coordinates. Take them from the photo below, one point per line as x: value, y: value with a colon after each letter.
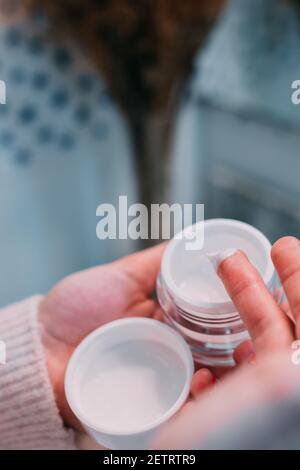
x: 144, y: 266
x: 286, y: 258
x: 149, y: 308
x: 244, y: 353
x: 286, y: 309
x: 158, y: 314
x: 202, y: 380
x: 266, y: 323
x: 246, y: 390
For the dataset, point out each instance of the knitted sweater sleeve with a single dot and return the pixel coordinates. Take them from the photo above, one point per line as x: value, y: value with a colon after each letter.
x: 29, y: 417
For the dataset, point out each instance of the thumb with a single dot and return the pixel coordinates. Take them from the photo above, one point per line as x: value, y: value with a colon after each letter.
x: 144, y: 266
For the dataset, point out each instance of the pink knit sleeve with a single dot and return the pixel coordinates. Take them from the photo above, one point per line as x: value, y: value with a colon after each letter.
x: 29, y: 417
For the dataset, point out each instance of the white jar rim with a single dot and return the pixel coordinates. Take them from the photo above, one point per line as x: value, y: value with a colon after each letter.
x: 176, y: 255
x: 114, y: 335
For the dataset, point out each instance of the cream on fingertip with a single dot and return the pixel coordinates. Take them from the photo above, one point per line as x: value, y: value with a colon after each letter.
x: 217, y: 257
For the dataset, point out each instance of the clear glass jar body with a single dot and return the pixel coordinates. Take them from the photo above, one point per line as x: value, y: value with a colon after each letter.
x: 212, y: 336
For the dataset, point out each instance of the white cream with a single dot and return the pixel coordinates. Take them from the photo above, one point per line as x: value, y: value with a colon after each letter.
x: 217, y: 257
x: 192, y: 274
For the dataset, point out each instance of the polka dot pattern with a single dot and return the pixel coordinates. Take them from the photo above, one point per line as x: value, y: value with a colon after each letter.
x: 35, y: 46
x: 23, y: 156
x: 39, y: 80
x: 6, y: 138
x: 104, y: 97
x: 45, y: 134
x: 100, y: 130
x: 4, y: 110
x: 59, y: 98
x: 60, y: 148
x: 85, y: 83
x: 17, y: 75
x: 54, y: 103
x: 13, y: 37
x: 27, y: 114
x: 82, y: 114
x: 62, y: 58
x: 67, y: 140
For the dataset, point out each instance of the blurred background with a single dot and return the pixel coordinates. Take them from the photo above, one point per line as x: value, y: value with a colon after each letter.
x: 159, y: 100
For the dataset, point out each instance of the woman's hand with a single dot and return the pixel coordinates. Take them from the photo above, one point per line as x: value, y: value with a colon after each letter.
x: 88, y: 299
x: 272, y: 328
x: 268, y: 373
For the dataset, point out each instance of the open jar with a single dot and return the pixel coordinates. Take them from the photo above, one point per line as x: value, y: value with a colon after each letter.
x: 194, y: 299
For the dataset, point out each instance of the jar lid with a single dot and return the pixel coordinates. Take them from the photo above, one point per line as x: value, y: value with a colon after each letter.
x: 189, y: 275
x: 146, y: 353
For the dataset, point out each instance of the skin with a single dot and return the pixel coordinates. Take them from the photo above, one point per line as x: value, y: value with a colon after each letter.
x: 88, y: 299
x: 267, y: 373
x: 91, y: 298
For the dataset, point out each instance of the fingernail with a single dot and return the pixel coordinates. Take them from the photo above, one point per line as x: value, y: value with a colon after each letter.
x: 218, y: 257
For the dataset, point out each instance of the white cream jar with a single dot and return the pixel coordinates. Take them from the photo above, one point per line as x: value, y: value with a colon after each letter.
x: 193, y: 298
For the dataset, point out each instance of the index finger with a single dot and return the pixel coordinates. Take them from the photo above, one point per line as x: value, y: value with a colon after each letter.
x: 269, y: 328
x: 286, y: 258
